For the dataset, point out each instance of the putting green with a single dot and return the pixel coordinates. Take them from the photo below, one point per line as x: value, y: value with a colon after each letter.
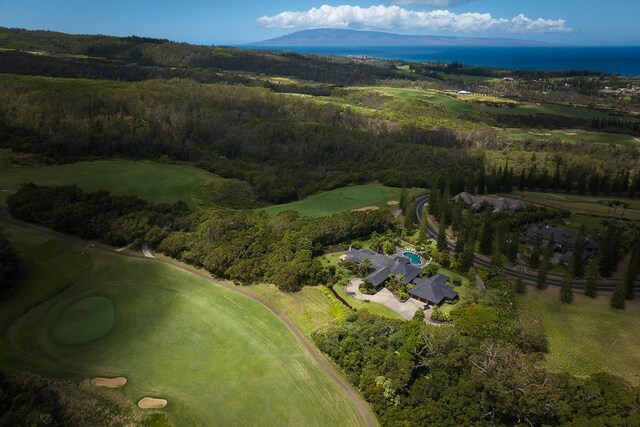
x: 342, y: 199
x: 85, y: 320
x: 361, y: 193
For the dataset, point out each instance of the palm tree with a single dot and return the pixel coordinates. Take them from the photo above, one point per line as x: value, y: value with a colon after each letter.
x: 610, y: 204
x: 625, y: 206
x: 615, y: 204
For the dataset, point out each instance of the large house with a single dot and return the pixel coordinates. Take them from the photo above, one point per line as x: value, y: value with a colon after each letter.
x: 498, y: 204
x: 564, y: 241
x: 431, y: 290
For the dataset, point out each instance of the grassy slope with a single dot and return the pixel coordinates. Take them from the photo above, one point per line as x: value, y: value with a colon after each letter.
x: 461, y: 107
x: 568, y: 136
x: 308, y: 308
x: 587, y: 336
x: 580, y: 204
x: 340, y: 200
x: 154, y: 182
x: 217, y: 356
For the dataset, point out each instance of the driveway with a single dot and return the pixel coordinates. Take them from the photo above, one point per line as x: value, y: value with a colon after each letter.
x: 385, y: 297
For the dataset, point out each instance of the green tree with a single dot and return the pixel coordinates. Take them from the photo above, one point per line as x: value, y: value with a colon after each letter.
x: 577, y: 263
x: 593, y: 274
x: 486, y: 234
x: 632, y: 270
x: 442, y: 234
x: 619, y: 296
x: 534, y: 257
x: 566, y: 289
x: 545, y: 265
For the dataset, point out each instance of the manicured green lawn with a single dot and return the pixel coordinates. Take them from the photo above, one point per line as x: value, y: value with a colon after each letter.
x: 587, y: 336
x: 308, y: 308
x: 154, y: 182
x: 461, y: 290
x: 576, y: 136
x: 218, y: 357
x: 371, y: 307
x: 341, y: 200
x: 580, y: 204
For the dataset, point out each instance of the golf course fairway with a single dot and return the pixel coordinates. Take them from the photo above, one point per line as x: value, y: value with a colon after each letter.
x: 216, y: 356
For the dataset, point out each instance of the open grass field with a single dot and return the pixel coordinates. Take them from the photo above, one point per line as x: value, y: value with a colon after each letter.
x: 459, y: 106
x: 586, y: 205
x: 341, y: 200
x: 218, y: 357
x: 572, y: 135
x: 587, y: 336
x: 154, y: 182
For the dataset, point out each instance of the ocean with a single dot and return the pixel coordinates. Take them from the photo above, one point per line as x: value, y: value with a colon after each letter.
x: 624, y: 60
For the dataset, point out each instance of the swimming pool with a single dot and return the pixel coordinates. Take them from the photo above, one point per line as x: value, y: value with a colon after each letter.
x: 414, y: 258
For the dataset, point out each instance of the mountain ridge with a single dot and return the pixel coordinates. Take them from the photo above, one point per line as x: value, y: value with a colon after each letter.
x: 342, y: 37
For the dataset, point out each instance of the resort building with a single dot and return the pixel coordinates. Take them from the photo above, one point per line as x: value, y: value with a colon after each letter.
x: 498, y: 204
x: 564, y: 241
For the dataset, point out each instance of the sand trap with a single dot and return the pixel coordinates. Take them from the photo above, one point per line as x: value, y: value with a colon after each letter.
x: 366, y: 208
x: 124, y: 248
x: 109, y: 382
x: 637, y: 139
x: 393, y: 203
x: 152, y: 403
x: 571, y: 133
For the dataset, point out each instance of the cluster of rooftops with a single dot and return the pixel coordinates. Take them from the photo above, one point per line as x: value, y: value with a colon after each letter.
x: 499, y: 204
x: 431, y: 290
x: 564, y: 241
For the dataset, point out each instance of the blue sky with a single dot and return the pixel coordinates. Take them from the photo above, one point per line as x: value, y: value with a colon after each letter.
x: 580, y: 22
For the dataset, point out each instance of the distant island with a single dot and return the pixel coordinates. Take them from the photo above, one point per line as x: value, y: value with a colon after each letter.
x: 337, y: 37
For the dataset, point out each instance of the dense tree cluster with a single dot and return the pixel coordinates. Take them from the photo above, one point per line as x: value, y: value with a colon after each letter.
x: 244, y: 246
x: 285, y: 147
x: 483, y: 370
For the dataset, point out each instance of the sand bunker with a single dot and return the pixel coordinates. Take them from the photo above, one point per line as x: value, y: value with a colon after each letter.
x: 571, y: 133
x: 366, y: 208
x: 393, y: 203
x: 637, y: 139
x: 539, y: 133
x: 109, y: 382
x: 152, y: 403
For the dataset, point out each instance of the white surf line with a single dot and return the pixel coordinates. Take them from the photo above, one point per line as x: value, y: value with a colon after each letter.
x: 145, y: 250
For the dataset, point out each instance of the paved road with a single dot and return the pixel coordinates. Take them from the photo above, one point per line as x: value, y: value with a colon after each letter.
x: 313, y: 351
x: 606, y: 286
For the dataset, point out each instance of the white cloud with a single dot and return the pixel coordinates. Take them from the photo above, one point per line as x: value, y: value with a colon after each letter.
x: 431, y: 3
x: 394, y: 17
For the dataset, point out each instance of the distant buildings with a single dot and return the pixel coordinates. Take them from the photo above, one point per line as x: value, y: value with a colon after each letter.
x: 498, y: 204
x: 564, y: 242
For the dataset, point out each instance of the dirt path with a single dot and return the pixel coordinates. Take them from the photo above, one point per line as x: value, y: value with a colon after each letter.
x: 313, y: 351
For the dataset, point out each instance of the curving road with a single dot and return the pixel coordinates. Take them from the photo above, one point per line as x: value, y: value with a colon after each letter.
x: 607, y: 286
x: 313, y: 351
